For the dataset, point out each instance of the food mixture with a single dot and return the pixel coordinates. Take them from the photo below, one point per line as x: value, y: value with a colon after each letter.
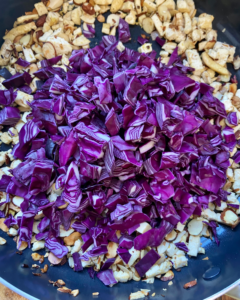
x: 121, y: 160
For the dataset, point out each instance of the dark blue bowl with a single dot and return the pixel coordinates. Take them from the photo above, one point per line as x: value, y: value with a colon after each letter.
x: 226, y: 257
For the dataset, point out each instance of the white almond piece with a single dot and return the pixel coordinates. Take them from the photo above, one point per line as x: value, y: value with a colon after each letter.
x: 64, y: 233
x: 17, y: 201
x: 60, y: 45
x: 48, y: 50
x: 41, y: 8
x: 75, y: 16
x: 2, y: 241
x: 193, y: 245
x: 143, y: 227
x: 29, y: 55
x: 195, y: 227
x: 27, y: 18
x: 35, y: 229
x: 38, y: 245
x: 81, y: 41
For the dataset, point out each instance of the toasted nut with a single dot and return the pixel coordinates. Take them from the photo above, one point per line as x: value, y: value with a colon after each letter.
x: 116, y: 5
x: 45, y: 268
x: 213, y: 65
x: 112, y: 250
x: 95, y: 294
x: 54, y: 259
x: 236, y: 101
x: 41, y: 21
x: 36, y: 256
x: 101, y: 18
x: 233, y: 88
x: 229, y: 217
x: 148, y: 25
x: 79, y: 2
x: 88, y: 8
x: 168, y: 276
x: 171, y: 236
x: 106, y: 28
x: 2, y: 241
x: 64, y: 290
x: 61, y: 282
x: 48, y: 50
x: 3, y: 226
x: 18, y: 38
x: 75, y: 293
x: 39, y: 33
x: 195, y: 227
x: 190, y: 284
x: 113, y: 20
x: 22, y: 29
x: 41, y: 8
x: 70, y: 240
x: 75, y: 16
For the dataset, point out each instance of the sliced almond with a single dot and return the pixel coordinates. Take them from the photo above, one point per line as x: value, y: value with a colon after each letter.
x: 48, y: 50
x: 171, y: 236
x: 113, y: 20
x: 3, y: 226
x: 54, y: 259
x: 2, y: 241
x: 229, y: 217
x: 36, y: 256
x: 195, y: 227
x: 79, y: 2
x: 168, y: 276
x: 190, y: 284
x: 101, y: 18
x: 18, y: 38
x: 64, y: 290
x: 148, y: 25
x: 24, y: 41
x: 75, y: 293
x: 60, y: 281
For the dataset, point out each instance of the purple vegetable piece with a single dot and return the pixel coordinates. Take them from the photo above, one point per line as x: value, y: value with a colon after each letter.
x: 147, y: 262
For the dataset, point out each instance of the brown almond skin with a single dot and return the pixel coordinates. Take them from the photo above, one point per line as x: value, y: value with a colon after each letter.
x: 190, y: 284
x: 41, y: 21
x: 39, y: 33
x: 166, y: 278
x: 88, y: 8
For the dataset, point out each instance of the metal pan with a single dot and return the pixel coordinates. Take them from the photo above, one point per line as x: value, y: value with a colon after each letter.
x: 226, y: 257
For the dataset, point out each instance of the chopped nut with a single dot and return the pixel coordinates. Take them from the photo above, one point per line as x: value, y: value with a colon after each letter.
x: 106, y: 28
x: 61, y: 282
x: 37, y: 274
x: 75, y: 293
x: 205, y: 258
x: 101, y: 18
x: 64, y: 290
x: 95, y: 294
x: 45, y: 268
x: 37, y: 257
x: 190, y: 284
x: 2, y: 241
x: 153, y: 294
x: 54, y: 259
x: 168, y: 276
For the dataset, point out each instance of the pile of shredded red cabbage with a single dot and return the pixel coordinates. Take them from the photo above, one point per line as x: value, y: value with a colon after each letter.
x: 126, y: 139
